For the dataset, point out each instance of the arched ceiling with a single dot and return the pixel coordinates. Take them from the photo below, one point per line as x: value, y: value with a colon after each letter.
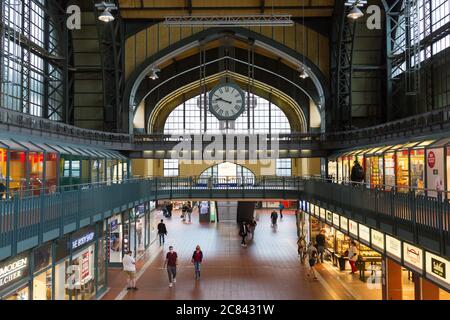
x: 297, y: 118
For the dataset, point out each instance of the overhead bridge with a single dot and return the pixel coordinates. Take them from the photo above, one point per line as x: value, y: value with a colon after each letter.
x: 29, y: 221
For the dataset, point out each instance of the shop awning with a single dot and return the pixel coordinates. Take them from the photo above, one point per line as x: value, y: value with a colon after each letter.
x: 10, y: 144
x: 82, y: 151
x: 59, y: 149
x: 439, y: 143
x: 29, y: 146
x: 45, y: 147
x: 73, y: 151
x: 95, y: 153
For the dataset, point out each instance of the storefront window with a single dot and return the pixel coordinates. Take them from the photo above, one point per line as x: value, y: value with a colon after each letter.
x: 101, y: 258
x: 332, y: 170
x: 418, y: 169
x: 114, y: 249
x: 140, y: 229
x: 17, y: 171
x: 402, y: 171
x: 35, y: 162
x: 23, y: 293
x: 95, y: 165
x: 42, y: 286
x: 80, y: 276
x: 42, y: 257
x: 84, y: 177
x: 18, y: 271
x: 51, y: 166
x: 389, y: 171
x: 3, y: 162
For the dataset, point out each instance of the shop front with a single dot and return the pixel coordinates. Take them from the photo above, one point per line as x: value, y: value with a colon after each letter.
x: 70, y: 268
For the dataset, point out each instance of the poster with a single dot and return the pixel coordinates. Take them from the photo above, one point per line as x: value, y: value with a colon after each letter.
x: 435, y: 171
x: 344, y: 223
x: 85, y: 266
x: 377, y: 239
x: 353, y: 227
x: 413, y: 257
x: 393, y: 248
x: 437, y: 269
x: 364, y: 234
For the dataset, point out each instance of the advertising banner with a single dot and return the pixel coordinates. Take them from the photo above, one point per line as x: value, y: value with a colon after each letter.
x: 364, y: 234
x: 353, y: 227
x: 85, y: 266
x: 377, y: 239
x: 329, y: 216
x: 413, y: 257
x: 437, y: 269
x: 344, y: 223
x: 13, y: 270
x: 336, y: 219
x: 435, y: 171
x: 394, y: 248
x: 322, y: 213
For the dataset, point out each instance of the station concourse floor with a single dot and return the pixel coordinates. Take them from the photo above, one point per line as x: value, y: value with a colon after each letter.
x: 267, y: 269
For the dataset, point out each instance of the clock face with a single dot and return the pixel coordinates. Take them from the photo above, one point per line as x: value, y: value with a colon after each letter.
x: 226, y: 101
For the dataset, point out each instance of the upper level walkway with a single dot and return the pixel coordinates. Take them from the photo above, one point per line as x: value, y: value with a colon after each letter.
x: 26, y: 222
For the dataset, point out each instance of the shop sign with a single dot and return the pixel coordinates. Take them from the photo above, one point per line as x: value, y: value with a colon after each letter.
x: 322, y: 213
x: 431, y: 159
x: 438, y: 269
x: 82, y: 240
x: 413, y: 256
x: 393, y: 247
x: 344, y: 223
x: 435, y: 171
x: 336, y: 219
x: 85, y: 266
x: 364, y: 233
x: 13, y: 270
x: 353, y: 227
x: 315, y: 210
x: 377, y: 239
x: 329, y: 216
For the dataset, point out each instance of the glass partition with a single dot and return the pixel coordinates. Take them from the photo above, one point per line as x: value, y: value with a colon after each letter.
x: 417, y: 159
x: 402, y: 170
x: 389, y: 170
x: 3, y: 173
x: 36, y: 165
x: 51, y: 165
x: 17, y: 171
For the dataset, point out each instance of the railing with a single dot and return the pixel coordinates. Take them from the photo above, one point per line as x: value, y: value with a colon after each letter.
x: 27, y: 221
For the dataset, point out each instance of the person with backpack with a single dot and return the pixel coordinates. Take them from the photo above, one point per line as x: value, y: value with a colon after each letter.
x: 274, y: 218
x: 243, y: 231
x: 357, y: 175
x: 162, y: 231
x: 312, y: 258
x: 197, y: 258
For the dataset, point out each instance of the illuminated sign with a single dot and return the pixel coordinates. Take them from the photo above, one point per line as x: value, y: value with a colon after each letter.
x: 336, y: 219
x: 353, y: 227
x: 437, y: 269
x: 322, y: 213
x: 393, y: 248
x: 344, y: 223
x: 83, y: 240
x: 364, y: 233
x: 413, y: 257
x: 377, y: 239
x: 329, y: 216
x: 11, y: 272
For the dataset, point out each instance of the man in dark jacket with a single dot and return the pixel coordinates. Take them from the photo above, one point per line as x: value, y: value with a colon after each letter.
x: 357, y: 174
x: 162, y: 231
x: 320, y: 240
x: 243, y: 233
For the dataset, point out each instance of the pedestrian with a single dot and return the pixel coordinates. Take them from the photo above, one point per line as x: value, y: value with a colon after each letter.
x: 312, y: 258
x: 169, y: 209
x: 301, y: 248
x: 129, y: 267
x: 164, y: 209
x: 320, y: 240
x: 197, y: 258
x: 189, y: 211
x: 171, y: 263
x: 252, y: 228
x: 243, y: 233
x: 183, y: 211
x: 274, y: 218
x: 353, y: 256
x: 281, y: 207
x: 357, y: 174
x: 162, y: 231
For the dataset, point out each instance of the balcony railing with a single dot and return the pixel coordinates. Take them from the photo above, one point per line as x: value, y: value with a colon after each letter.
x: 27, y: 221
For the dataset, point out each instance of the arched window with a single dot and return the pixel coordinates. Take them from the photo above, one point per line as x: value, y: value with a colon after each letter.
x: 227, y: 170
x: 264, y: 117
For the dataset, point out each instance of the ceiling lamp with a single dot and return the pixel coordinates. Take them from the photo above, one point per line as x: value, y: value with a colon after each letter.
x: 106, y: 15
x: 153, y: 73
x: 355, y: 13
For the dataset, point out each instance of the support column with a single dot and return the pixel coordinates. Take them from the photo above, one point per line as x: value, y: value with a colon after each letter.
x: 392, y: 280
x: 429, y: 290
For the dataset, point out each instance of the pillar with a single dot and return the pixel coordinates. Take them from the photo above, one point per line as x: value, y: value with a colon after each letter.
x: 429, y: 290
x: 392, y: 280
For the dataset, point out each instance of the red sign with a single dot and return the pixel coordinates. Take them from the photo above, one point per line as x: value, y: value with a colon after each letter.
x: 85, y: 266
x: 431, y: 159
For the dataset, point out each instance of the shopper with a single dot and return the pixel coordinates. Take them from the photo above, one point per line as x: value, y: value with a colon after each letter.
x: 274, y: 218
x: 171, y: 263
x: 312, y: 258
x: 169, y: 209
x: 129, y: 267
x: 252, y: 227
x: 243, y: 233
x: 320, y: 240
x: 183, y: 211
x: 301, y: 248
x: 162, y: 231
x: 353, y: 256
x: 357, y: 174
x: 281, y: 207
x: 197, y: 258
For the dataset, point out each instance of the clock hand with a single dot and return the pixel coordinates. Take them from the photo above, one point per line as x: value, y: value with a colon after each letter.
x: 224, y: 100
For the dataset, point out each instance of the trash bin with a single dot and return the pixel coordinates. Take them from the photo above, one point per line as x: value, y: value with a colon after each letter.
x: 342, y: 263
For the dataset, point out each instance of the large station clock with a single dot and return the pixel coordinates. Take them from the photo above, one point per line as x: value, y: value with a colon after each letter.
x: 226, y: 101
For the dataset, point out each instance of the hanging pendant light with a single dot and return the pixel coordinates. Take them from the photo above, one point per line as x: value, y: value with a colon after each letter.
x: 106, y: 16
x: 355, y: 13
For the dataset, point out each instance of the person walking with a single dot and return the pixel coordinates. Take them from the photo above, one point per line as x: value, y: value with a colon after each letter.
x: 169, y: 209
x: 357, y: 174
x: 189, y: 211
x: 281, y: 207
x: 171, y: 263
x: 162, y: 231
x: 353, y: 256
x: 243, y: 233
x: 274, y: 218
x: 320, y: 240
x: 129, y: 267
x: 252, y: 227
x: 197, y: 258
x: 301, y: 248
x: 312, y: 258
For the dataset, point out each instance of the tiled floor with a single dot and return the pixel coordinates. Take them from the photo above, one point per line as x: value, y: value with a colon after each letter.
x: 267, y: 269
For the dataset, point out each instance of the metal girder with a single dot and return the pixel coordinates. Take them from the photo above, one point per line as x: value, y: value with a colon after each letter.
x: 281, y: 20
x: 341, y: 68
